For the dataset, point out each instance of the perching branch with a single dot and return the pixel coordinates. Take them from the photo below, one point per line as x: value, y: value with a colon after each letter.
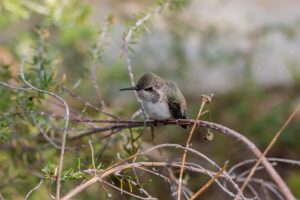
x: 118, y: 125
x: 122, y: 165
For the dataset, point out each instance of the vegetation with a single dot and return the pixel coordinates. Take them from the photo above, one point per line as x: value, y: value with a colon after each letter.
x: 66, y: 132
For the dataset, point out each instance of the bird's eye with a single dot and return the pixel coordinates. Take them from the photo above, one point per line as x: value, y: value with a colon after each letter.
x: 148, y: 89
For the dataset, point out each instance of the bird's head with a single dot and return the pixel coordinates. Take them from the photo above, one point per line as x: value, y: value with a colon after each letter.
x: 149, y: 87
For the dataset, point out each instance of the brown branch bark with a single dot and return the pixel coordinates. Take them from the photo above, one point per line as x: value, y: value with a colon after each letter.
x: 204, y: 101
x: 109, y: 171
x: 123, y: 124
x: 211, y: 181
x: 273, y: 141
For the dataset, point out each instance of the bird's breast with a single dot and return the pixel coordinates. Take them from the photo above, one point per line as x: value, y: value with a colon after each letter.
x: 159, y: 110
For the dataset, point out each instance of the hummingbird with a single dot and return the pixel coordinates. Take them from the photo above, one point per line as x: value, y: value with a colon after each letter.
x: 161, y: 99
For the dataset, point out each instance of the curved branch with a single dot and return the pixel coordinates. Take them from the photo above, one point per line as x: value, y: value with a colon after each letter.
x: 66, y: 122
x: 123, y: 124
x: 139, y: 165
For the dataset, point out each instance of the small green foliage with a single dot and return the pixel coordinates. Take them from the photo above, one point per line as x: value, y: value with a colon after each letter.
x: 61, y: 43
x: 43, y: 71
x: 72, y: 174
x: 5, y: 73
x: 73, y: 13
x: 98, y: 48
x: 50, y: 170
x: 142, y: 21
x: 175, y: 4
x: 5, y: 130
x: 100, y: 166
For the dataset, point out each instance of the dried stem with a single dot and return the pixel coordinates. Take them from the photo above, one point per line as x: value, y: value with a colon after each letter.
x: 113, y: 170
x: 128, y: 193
x: 119, y: 125
x: 280, y: 160
x: 97, y: 53
x: 14, y: 87
x: 66, y: 120
x: 128, y: 38
x: 93, y: 157
x: 95, y: 85
x: 287, y: 193
x: 204, y: 101
x: 1, y: 197
x: 129, y: 67
x: 34, y: 189
x: 204, y: 187
x: 72, y: 94
x: 123, y: 165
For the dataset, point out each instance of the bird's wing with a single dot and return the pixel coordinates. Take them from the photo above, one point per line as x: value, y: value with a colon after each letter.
x: 178, y: 109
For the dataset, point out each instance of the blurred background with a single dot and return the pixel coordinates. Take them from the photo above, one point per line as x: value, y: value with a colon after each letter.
x: 245, y: 52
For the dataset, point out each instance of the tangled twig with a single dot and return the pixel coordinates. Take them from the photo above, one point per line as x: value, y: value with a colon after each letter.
x: 123, y: 124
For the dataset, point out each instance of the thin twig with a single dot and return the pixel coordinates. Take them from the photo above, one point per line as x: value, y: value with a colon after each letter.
x: 139, y: 165
x: 119, y: 125
x: 93, y: 157
x: 128, y: 193
x: 97, y: 55
x: 204, y: 187
x: 280, y: 160
x: 128, y: 38
x: 251, y: 188
x: 287, y: 192
x: 44, y: 134
x: 177, y: 146
x: 268, y: 185
x: 113, y: 170
x: 34, y: 189
x: 204, y: 100
x: 119, y: 166
x: 72, y: 94
x: 66, y: 122
x: 95, y: 85
x: 246, y: 172
x: 14, y: 87
x: 129, y: 67
x: 1, y: 197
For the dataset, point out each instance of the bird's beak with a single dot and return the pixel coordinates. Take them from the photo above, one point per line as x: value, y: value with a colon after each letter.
x: 129, y: 88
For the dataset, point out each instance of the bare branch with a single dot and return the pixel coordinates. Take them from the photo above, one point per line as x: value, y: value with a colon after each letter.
x: 14, y: 87
x: 34, y: 189
x: 128, y: 193
x: 119, y: 166
x: 1, y: 197
x: 203, y: 102
x: 204, y: 187
x: 281, y: 160
x: 96, y: 51
x: 287, y: 193
x: 66, y: 122
x: 128, y: 38
x: 72, y: 94
x: 123, y: 124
